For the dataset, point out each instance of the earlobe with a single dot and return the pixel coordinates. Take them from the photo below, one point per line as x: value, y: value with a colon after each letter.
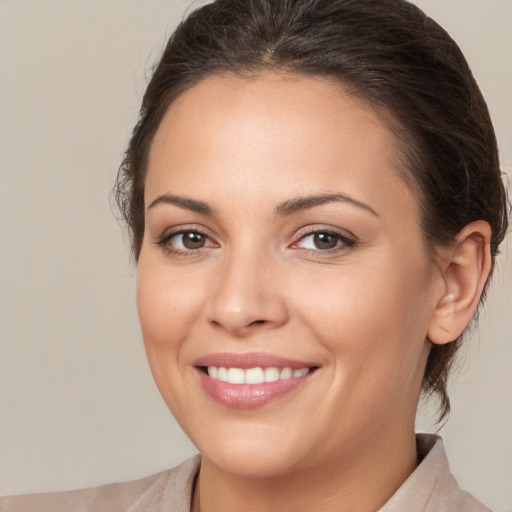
x: 465, y: 268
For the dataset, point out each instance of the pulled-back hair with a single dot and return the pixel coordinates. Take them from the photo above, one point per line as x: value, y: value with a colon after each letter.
x: 386, y: 52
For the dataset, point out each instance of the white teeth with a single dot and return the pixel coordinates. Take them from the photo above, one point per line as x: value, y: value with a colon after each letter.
x: 286, y: 373
x: 254, y: 376
x: 236, y: 376
x: 271, y: 374
x: 257, y: 375
x: 222, y: 374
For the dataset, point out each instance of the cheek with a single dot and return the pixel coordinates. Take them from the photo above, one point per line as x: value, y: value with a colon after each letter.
x: 167, y: 305
x: 167, y: 315
x: 370, y: 314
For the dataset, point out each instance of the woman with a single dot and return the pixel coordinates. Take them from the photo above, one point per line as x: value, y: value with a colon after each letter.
x: 315, y: 203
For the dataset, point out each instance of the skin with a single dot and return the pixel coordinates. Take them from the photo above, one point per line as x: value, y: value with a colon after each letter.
x: 361, y: 311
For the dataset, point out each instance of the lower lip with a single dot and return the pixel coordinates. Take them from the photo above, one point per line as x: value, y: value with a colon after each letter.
x: 247, y: 396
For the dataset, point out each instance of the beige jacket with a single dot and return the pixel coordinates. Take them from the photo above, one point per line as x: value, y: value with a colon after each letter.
x: 431, y: 488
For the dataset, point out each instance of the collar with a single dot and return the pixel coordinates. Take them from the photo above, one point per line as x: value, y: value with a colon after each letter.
x: 430, y: 488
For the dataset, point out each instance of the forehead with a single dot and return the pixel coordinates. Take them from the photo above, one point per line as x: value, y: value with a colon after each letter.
x: 277, y: 132
x: 271, y: 101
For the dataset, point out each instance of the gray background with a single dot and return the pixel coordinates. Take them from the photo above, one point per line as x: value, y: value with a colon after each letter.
x: 78, y: 406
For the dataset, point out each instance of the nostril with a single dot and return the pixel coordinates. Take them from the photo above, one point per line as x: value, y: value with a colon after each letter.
x: 257, y: 322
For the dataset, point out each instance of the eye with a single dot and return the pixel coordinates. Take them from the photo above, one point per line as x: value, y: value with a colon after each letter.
x: 324, y: 240
x: 188, y: 240
x: 185, y: 241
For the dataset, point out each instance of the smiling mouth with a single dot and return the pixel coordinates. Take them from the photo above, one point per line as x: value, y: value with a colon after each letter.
x: 251, y: 380
x: 252, y: 386
x: 256, y: 375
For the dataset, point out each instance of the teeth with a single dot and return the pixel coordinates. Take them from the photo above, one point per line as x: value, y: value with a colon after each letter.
x: 222, y: 374
x: 256, y: 375
x: 286, y: 373
x: 213, y: 372
x: 271, y: 374
x: 236, y: 376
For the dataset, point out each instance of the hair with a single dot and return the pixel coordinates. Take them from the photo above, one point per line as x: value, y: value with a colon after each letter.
x: 386, y: 52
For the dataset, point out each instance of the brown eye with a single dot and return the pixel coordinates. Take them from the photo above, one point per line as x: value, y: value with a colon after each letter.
x: 325, y: 241
x: 185, y: 241
x: 193, y: 240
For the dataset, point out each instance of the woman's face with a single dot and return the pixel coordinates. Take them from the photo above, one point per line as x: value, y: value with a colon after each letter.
x: 281, y: 243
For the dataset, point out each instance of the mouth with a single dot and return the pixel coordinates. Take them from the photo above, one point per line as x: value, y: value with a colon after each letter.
x: 256, y: 375
x: 251, y: 380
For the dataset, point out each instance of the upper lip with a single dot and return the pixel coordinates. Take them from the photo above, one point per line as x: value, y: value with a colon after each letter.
x: 250, y: 360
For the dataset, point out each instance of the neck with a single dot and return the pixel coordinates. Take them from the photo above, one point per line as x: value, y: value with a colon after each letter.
x: 341, y: 483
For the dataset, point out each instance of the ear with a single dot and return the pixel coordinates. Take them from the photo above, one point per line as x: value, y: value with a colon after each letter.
x: 464, y: 270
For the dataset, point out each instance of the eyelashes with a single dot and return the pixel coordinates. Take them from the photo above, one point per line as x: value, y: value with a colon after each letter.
x: 324, y: 240
x: 185, y: 242
x: 193, y: 241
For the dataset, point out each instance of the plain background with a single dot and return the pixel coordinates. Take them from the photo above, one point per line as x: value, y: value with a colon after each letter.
x: 78, y: 406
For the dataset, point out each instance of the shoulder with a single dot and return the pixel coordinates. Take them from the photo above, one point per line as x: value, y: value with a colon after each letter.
x: 432, y: 487
x: 449, y: 497
x: 112, y: 497
x: 116, y: 497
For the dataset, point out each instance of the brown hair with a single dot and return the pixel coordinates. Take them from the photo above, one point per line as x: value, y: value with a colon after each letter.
x: 387, y: 52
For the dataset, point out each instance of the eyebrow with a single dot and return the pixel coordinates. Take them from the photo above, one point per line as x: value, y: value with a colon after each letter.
x: 299, y: 204
x: 183, y: 202
x: 289, y: 207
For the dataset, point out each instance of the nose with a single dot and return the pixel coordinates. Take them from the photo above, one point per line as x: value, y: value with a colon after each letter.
x: 248, y: 295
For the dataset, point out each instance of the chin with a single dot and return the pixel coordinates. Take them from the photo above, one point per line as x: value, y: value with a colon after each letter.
x: 251, y: 455
x: 251, y: 463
